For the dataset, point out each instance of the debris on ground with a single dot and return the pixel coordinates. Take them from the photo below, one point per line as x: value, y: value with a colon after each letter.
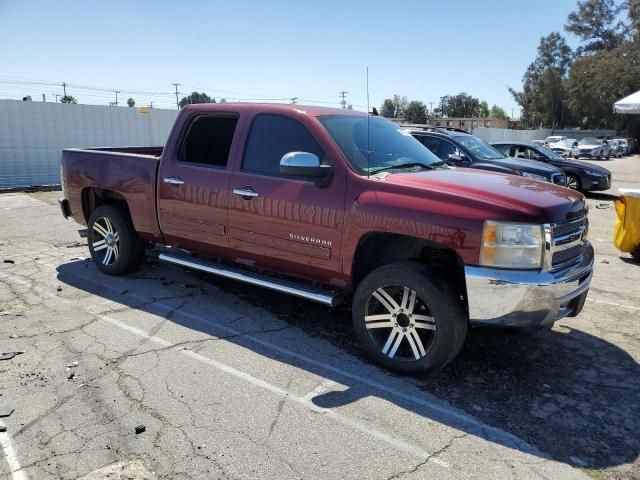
x: 71, y: 376
x: 14, y: 335
x: 59, y: 288
x: 605, y: 261
x: 9, y: 355
x: 6, y: 409
x: 72, y: 364
x: 603, y: 205
x: 9, y: 261
x: 140, y: 429
x: 3, y: 427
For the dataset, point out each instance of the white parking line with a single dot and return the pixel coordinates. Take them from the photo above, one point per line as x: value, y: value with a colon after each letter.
x: 11, y: 457
x: 613, y: 304
x: 392, y: 441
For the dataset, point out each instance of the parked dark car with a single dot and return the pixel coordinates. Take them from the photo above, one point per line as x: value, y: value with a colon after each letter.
x: 581, y: 176
x: 459, y: 148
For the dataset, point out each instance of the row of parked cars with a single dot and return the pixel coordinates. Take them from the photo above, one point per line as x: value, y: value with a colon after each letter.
x: 590, y: 147
x: 533, y: 160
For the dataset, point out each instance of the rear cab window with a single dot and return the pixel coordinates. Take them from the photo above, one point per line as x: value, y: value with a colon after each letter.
x: 271, y: 137
x: 208, y: 140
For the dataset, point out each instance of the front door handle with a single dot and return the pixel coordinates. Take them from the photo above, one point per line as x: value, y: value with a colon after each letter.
x: 246, y: 192
x: 173, y: 180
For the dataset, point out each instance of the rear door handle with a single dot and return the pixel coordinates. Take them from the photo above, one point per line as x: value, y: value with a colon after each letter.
x: 246, y: 192
x: 173, y: 180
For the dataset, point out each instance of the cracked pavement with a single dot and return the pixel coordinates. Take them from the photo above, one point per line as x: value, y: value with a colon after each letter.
x: 232, y: 381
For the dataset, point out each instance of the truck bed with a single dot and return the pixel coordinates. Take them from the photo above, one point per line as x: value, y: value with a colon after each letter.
x: 128, y: 173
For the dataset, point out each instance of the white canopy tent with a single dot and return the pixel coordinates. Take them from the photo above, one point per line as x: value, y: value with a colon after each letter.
x: 630, y: 104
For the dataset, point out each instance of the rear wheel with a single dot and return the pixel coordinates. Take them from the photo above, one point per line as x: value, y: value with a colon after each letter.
x: 114, y: 245
x: 573, y: 182
x: 406, y: 320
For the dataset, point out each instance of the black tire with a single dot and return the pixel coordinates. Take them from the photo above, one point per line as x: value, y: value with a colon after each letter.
x: 440, y: 329
x: 574, y: 182
x: 111, y: 230
x: 636, y: 254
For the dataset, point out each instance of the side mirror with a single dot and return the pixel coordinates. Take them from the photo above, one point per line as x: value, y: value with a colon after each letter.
x: 305, y: 165
x: 456, y: 158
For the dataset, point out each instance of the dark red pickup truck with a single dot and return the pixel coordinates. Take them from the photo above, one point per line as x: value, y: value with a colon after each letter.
x: 329, y: 205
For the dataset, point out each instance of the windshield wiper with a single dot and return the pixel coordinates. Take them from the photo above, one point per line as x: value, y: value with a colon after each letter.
x: 407, y: 165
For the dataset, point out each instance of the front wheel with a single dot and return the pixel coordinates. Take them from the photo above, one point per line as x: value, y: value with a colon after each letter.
x: 573, y: 182
x: 114, y: 244
x: 406, y: 320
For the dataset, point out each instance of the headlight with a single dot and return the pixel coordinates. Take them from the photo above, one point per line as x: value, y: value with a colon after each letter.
x: 511, y: 245
x: 534, y: 176
x: 594, y: 173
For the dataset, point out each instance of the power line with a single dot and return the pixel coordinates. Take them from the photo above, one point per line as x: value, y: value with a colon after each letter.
x: 177, y: 103
x: 343, y: 102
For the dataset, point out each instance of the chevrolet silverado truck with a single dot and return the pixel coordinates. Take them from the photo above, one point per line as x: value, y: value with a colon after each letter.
x: 333, y: 205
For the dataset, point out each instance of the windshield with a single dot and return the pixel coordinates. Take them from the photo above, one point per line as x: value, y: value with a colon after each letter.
x: 549, y: 153
x: 589, y: 141
x: 385, y: 146
x: 478, y: 147
x: 568, y: 143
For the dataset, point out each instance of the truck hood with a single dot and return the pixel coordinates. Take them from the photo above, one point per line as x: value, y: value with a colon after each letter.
x: 506, y: 197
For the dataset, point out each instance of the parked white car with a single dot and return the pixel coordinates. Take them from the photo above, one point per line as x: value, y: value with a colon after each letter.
x: 553, y: 139
x: 564, y: 147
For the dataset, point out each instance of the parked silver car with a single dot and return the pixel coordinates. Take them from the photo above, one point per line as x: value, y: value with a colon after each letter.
x: 617, y: 148
x: 591, y: 147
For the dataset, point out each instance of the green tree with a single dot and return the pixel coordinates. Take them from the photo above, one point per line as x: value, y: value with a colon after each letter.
x: 542, y: 97
x: 131, y: 102
x: 498, y: 112
x: 595, y: 82
x: 399, y: 105
x: 387, y: 109
x: 68, y: 99
x: 483, y: 109
x: 416, y: 112
x: 597, y: 24
x: 196, y: 97
x: 462, y: 105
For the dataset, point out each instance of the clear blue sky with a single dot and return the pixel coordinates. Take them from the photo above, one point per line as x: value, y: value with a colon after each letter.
x: 278, y: 49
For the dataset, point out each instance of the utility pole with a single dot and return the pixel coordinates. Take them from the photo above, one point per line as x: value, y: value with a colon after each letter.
x: 294, y: 100
x: 177, y: 102
x: 151, y: 106
x: 44, y: 97
x: 343, y: 102
x: 116, y: 92
x: 64, y: 86
x: 431, y: 108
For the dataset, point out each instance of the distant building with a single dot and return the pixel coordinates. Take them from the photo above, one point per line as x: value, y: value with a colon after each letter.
x: 471, y: 123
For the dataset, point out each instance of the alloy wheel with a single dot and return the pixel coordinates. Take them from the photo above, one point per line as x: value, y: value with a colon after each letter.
x: 572, y: 182
x: 400, y: 323
x: 104, y: 237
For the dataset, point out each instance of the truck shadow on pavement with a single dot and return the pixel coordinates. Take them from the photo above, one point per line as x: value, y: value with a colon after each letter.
x: 569, y: 395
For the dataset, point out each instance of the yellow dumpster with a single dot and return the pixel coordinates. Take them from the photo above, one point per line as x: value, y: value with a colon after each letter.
x: 626, y: 236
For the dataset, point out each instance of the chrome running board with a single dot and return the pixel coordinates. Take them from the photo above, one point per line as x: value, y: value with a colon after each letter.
x: 279, y: 285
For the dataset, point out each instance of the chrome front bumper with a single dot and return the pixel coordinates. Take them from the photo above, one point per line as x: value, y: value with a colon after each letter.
x: 520, y: 298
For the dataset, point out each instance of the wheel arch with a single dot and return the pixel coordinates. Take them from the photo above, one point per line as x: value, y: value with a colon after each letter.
x: 375, y: 249
x: 93, y: 198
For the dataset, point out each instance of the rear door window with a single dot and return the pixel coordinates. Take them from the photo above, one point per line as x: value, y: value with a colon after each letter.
x: 208, y: 140
x: 273, y: 136
x: 503, y: 149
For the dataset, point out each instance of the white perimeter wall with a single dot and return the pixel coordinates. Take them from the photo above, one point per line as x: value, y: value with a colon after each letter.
x: 33, y: 134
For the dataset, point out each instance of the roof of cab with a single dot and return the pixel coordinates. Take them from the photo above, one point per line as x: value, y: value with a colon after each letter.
x: 312, y: 111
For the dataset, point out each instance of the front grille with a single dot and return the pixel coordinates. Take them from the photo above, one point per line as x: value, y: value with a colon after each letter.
x: 567, y: 228
x: 564, y: 256
x: 567, y: 242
